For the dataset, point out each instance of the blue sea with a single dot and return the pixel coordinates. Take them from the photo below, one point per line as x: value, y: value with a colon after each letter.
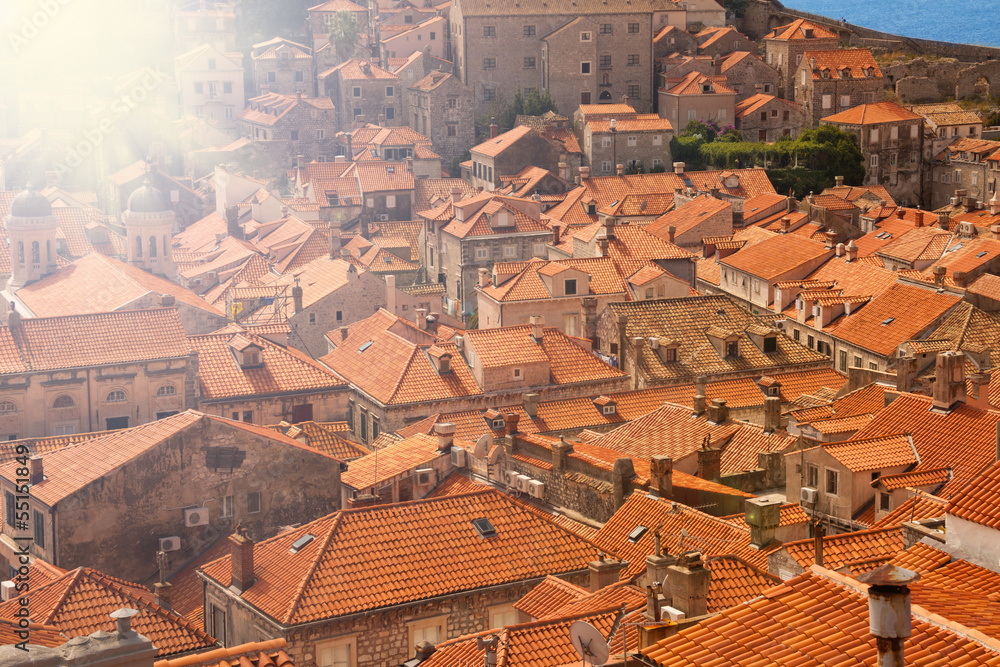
x: 963, y: 21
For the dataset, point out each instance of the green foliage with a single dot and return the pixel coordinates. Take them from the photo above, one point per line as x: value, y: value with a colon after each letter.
x: 992, y: 120
x: 260, y: 20
x: 343, y: 34
x: 687, y: 150
x: 658, y: 169
x: 455, y: 169
x: 736, y: 7
x: 532, y: 104
x: 699, y: 128
x: 634, y: 168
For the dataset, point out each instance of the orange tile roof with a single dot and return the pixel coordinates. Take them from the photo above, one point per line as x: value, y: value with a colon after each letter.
x: 836, y: 61
x: 873, y: 114
x: 367, y: 558
x: 351, y: 70
x: 382, y: 465
x: 840, y: 425
x: 921, y: 558
x: 979, y: 501
x: 548, y: 597
x: 283, y: 370
x: 40, y: 635
x: 813, y: 619
x: 711, y: 535
x: 49, y: 343
x: 847, y: 549
x: 961, y: 575
x: 495, y: 146
x: 919, y: 506
x: 790, y: 514
x: 734, y: 582
x: 889, y: 451
x: 327, y: 437
x: 455, y: 484
x: 776, y: 256
x: 754, y: 103
x: 79, y: 603
x: 693, y: 82
x: 187, y: 590
x: 267, y: 653
x: 933, y: 477
x: 481, y: 210
x: 796, y: 30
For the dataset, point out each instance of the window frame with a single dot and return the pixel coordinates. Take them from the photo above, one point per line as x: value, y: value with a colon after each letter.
x: 833, y: 476
x: 259, y: 502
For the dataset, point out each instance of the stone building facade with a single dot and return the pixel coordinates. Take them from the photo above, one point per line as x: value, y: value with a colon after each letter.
x: 508, y: 153
x: 635, y: 141
x: 768, y: 118
x: 283, y: 66
x: 827, y: 82
x: 748, y: 75
x: 442, y: 108
x: 891, y: 140
x: 210, y: 84
x: 784, y: 46
x: 292, y: 125
x: 697, y: 97
x: 363, y: 92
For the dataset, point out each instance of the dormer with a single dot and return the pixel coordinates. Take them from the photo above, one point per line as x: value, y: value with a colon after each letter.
x: 769, y: 386
x: 494, y: 419
x: 248, y: 355
x: 440, y: 359
x: 666, y: 349
x: 825, y: 72
x: 725, y: 342
x: 502, y: 219
x: 808, y: 33
x: 606, y: 405
x: 730, y: 180
x: 845, y: 73
x: 707, y: 87
x: 765, y: 338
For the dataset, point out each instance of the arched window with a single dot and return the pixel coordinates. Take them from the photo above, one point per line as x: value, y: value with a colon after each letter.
x: 166, y: 390
x: 116, y: 396
x: 152, y: 246
x: 138, y: 246
x: 35, y: 258
x: 64, y: 401
x: 7, y: 408
x: 20, y: 253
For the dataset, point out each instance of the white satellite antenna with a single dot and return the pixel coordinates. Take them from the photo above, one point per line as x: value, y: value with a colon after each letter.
x: 482, y: 447
x: 589, y: 644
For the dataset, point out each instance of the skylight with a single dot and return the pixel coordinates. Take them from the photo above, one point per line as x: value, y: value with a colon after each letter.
x: 637, y: 534
x: 484, y: 527
x: 982, y: 254
x: 888, y: 320
x: 300, y: 543
x: 364, y: 347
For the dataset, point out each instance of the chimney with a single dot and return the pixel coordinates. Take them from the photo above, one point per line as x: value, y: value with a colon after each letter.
x: 763, y: 515
x: 445, y: 434
x: 969, y: 203
x: 510, y: 420
x: 484, y: 277
x: 421, y: 318
x: 658, y: 567
x: 560, y: 450
x: 13, y: 319
x: 661, y: 469
x: 831, y: 240
x: 537, y: 328
x: 994, y: 204
x: 699, y: 397
x: 790, y: 204
x: 960, y: 278
x: 531, y: 403
x: 422, y: 652
x: 363, y: 500
x: 889, y: 616
x: 241, y: 557
x: 300, y: 161
x: 717, y: 411
x: 297, y: 297
x: 852, y: 250
x: 679, y: 168
x: 786, y: 224
x: 233, y: 222
x: 671, y: 233
x: 556, y: 234
x: 717, y: 66
x: 494, y: 128
x: 602, y: 245
x: 689, y: 580
x: 841, y: 249
x: 123, y: 619
x: 603, y: 572
x: 37, y: 472
x: 839, y: 181
x: 772, y: 414
x: 584, y: 173
x: 949, y: 380
x: 709, y: 461
x: 819, y: 532
x: 620, y: 169
x: 161, y: 592
x: 943, y: 221
x: 381, y: 120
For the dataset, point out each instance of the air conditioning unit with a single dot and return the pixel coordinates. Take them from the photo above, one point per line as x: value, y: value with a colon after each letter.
x: 170, y: 543
x: 196, y: 517
x: 425, y: 476
x: 457, y: 457
x: 510, y: 478
x: 522, y: 483
x: 807, y: 495
x: 536, y: 489
x: 383, y: 217
x: 7, y: 590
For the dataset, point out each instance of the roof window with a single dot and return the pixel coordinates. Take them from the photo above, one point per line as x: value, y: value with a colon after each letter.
x: 637, y: 534
x: 364, y: 347
x: 888, y: 320
x: 301, y: 543
x: 484, y: 527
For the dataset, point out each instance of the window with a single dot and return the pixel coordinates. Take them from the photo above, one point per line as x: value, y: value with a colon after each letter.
x: 632, y: 141
x: 433, y: 36
x: 873, y: 135
x: 845, y: 100
x: 428, y: 629
x: 733, y: 349
x: 219, y: 623
x: 796, y: 335
x: 509, y: 251
x: 810, y: 341
x: 166, y: 390
x: 10, y: 513
x: 321, y: 134
x: 633, y: 59
x: 337, y: 653
x: 248, y: 416
x: 375, y: 427
x: 827, y: 101
x: 357, y: 91
x: 604, y: 61
x: 633, y: 29
x: 843, y: 361
x: 605, y: 29
x: 489, y: 31
x: 295, y: 135
x: 503, y: 615
x: 227, y: 87
x: 812, y: 475
x: 831, y: 482
x: 482, y: 254
x: 226, y: 508
x: 529, y: 62
x: 569, y: 287
x: 199, y: 88
x: 529, y: 31
x: 585, y: 97
x: 517, y: 374
x: 606, y: 166
x: 585, y: 68
x: 883, y: 502
x: 857, y: 361
x: 872, y: 365
x: 253, y: 502
x: 489, y: 94
x: 489, y: 63
x: 605, y: 142
x: 914, y: 129
x: 340, y: 315
x: 585, y: 37
x: 116, y: 396
x: 390, y: 113
x: 771, y: 344
x: 538, y: 249
x: 874, y: 161
x: 65, y: 401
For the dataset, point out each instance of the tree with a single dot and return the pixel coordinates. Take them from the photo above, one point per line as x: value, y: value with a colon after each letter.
x: 736, y: 7
x: 343, y: 34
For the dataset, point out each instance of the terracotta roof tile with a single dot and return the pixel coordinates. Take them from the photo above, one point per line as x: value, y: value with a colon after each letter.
x: 777, y: 256
x: 367, y: 558
x: 873, y: 114
x: 267, y: 653
x: 187, y: 590
x: 859, y: 455
x: 455, y: 484
x: 931, y: 477
x: 40, y: 635
x: 797, y: 30
x: 845, y: 549
x: 919, y: 506
x: 331, y: 438
x: 734, y: 581
x: 548, y: 597
x: 921, y: 558
x: 382, y: 465
x: 791, y: 514
x: 837, y: 61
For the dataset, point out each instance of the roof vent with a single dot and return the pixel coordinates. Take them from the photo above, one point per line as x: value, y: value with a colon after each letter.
x: 301, y: 543
x: 637, y: 534
x: 484, y: 527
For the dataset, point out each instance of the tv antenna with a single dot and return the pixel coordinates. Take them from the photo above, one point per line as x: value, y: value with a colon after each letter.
x: 589, y: 644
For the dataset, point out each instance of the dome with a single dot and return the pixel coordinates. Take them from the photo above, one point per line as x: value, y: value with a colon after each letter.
x: 147, y: 199
x: 30, y: 204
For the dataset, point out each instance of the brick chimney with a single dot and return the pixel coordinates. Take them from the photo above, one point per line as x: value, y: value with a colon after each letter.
x: 603, y: 572
x: 679, y: 168
x: 510, y: 420
x: 537, y: 328
x: 531, y: 403
x: 661, y: 475
x: 718, y: 411
x: 709, y: 461
x: 960, y: 278
x: 658, y: 563
x: 939, y: 273
x: 584, y: 173
x: 943, y: 221
x: 494, y: 128
x: 560, y: 450
x: 671, y: 233
x: 831, y: 240
x: 241, y: 556
x: 689, y: 581
x: 763, y: 515
x: 445, y: 432
x: 297, y: 297
x: 556, y: 234
x: 889, y: 616
x: 949, y: 380
x: 772, y: 414
x: 698, y: 403
x: 36, y: 470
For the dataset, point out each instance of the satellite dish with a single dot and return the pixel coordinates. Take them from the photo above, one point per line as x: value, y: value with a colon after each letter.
x: 483, y: 446
x: 589, y: 643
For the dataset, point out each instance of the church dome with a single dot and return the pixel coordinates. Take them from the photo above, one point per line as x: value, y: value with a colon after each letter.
x: 30, y: 204
x: 147, y: 199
